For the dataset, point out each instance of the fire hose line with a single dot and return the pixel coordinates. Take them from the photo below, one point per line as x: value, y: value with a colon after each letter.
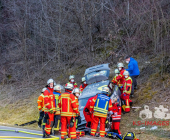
x: 19, y: 131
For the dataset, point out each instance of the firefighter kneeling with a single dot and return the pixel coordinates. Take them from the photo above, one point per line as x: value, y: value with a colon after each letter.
x: 100, y: 105
x: 69, y: 110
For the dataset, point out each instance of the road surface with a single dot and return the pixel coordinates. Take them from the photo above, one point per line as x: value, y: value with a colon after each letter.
x: 16, y: 134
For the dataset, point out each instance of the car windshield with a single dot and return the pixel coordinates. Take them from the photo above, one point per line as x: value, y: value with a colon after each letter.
x: 82, y: 102
x: 100, y: 75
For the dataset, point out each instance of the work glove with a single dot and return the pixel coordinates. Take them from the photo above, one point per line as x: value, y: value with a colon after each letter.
x: 86, y: 110
x: 110, y: 112
x: 107, y: 121
x: 51, y: 111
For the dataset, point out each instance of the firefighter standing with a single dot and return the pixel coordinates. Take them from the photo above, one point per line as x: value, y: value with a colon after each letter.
x: 120, y: 77
x: 49, y: 107
x: 100, y: 104
x: 57, y: 118
x: 68, y: 109
x: 127, y: 87
x: 40, y: 102
x: 116, y: 116
x: 76, y: 93
x: 72, y: 81
x: 83, y: 85
x: 114, y: 80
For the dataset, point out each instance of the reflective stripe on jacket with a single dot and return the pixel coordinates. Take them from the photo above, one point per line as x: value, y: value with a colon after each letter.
x: 120, y: 78
x: 116, y: 109
x: 67, y: 105
x: 40, y: 102
x: 127, y: 87
x: 49, y: 100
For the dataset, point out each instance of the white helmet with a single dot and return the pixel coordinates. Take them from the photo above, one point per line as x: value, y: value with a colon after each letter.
x: 117, y: 71
x: 50, y: 81
x: 120, y: 65
x: 76, y: 90
x: 69, y: 86
x: 43, y: 90
x: 57, y: 87
x: 83, y: 79
x: 126, y: 73
x: 71, y: 77
x: 105, y: 89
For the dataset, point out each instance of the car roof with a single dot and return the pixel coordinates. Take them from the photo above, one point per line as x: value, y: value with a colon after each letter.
x: 97, y: 68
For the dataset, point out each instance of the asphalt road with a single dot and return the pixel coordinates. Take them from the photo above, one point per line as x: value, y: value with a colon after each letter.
x: 16, y: 134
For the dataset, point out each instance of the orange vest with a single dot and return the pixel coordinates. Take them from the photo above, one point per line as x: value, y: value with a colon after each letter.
x: 67, y: 105
x: 49, y: 100
x: 40, y: 102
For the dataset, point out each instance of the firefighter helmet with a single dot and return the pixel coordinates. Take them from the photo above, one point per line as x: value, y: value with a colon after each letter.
x: 57, y: 87
x: 105, y: 90
x: 76, y: 90
x: 126, y: 73
x: 71, y: 77
x: 117, y: 71
x: 83, y: 79
x: 50, y: 81
x: 69, y: 86
x: 43, y: 90
x: 119, y: 65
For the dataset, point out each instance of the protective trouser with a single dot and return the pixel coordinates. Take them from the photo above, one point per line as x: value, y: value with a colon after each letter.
x: 134, y: 83
x: 125, y: 97
x: 95, y: 125
x: 72, y: 131
x: 88, y: 118
x: 57, y: 124
x: 115, y: 127
x: 49, y: 124
x: 40, y: 118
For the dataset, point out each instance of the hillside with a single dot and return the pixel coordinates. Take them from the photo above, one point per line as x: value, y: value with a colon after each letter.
x: 53, y: 39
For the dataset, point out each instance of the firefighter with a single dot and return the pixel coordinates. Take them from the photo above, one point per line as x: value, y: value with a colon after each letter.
x: 120, y: 77
x: 87, y: 114
x: 49, y: 107
x: 72, y: 81
x: 76, y: 93
x: 69, y: 110
x: 116, y: 116
x: 114, y: 80
x: 40, y: 102
x: 127, y: 87
x: 101, y: 104
x: 57, y: 118
x: 83, y: 85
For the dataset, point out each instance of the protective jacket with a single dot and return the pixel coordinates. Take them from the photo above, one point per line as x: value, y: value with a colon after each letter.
x: 120, y: 78
x: 127, y: 86
x: 74, y: 84
x: 40, y: 102
x: 67, y: 105
x: 49, y: 100
x: 101, y: 104
x: 57, y: 109
x: 82, y: 87
x: 133, y: 67
x: 116, y: 109
x: 115, y: 81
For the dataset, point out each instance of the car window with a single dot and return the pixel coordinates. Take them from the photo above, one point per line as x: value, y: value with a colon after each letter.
x: 82, y: 102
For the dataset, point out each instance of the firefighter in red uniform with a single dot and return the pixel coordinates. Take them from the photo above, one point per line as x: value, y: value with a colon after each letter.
x: 83, y: 85
x: 127, y: 87
x: 69, y: 110
x: 86, y: 111
x: 71, y: 81
x: 114, y: 80
x: 49, y: 107
x: 101, y: 104
x: 120, y: 77
x: 116, y: 116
